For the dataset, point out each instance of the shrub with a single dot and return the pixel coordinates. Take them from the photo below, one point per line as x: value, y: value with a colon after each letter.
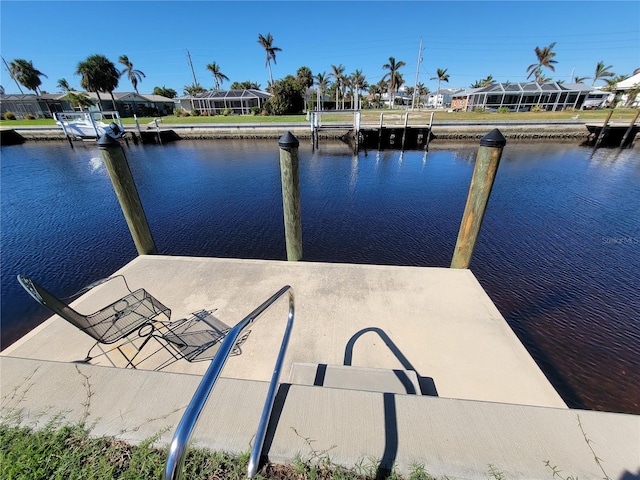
x: 503, y: 110
x: 195, y: 113
x: 177, y: 112
x: 28, y: 116
x: 478, y: 109
x: 227, y: 111
x: 185, y: 113
x: 9, y: 116
x: 537, y: 108
x: 255, y: 110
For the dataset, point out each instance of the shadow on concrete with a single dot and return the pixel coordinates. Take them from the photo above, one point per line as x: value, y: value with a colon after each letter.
x: 274, y: 419
x: 543, y: 306
x: 390, y: 438
x: 631, y: 476
x: 427, y: 385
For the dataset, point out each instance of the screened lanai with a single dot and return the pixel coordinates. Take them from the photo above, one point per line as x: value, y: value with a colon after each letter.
x: 240, y: 101
x: 523, y: 97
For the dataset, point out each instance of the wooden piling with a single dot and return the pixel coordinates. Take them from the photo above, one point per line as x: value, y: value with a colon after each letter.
x: 487, y: 161
x: 127, y: 193
x: 629, y: 130
x: 290, y: 177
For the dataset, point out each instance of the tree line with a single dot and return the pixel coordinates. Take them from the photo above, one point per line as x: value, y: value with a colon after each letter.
x: 100, y: 75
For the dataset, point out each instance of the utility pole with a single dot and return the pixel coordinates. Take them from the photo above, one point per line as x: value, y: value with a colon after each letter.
x: 195, y: 80
x: 415, y: 85
x: 11, y: 75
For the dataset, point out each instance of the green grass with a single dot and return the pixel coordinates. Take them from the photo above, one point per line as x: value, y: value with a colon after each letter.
x: 69, y: 452
x: 370, y: 116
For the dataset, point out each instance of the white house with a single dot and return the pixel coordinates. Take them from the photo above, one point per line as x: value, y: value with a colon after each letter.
x: 442, y: 98
x: 624, y: 86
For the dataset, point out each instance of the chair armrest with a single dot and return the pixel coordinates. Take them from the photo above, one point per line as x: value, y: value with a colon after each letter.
x: 99, y: 282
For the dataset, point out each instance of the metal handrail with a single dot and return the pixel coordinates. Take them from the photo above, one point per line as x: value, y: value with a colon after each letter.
x: 179, y: 443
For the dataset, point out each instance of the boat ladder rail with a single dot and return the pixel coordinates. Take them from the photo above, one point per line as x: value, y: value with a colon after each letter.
x: 180, y: 441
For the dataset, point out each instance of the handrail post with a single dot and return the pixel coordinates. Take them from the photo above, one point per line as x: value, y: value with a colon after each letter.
x: 180, y: 441
x: 603, y: 131
x: 127, y: 193
x: 484, y: 173
x: 629, y: 130
x: 254, y: 459
x: 290, y: 178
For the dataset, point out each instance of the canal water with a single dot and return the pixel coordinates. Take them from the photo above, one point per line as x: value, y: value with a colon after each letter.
x: 559, y: 251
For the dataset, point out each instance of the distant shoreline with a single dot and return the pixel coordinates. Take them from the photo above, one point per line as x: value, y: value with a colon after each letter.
x: 448, y: 131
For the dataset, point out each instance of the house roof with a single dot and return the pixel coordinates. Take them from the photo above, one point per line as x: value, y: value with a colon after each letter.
x: 533, y: 87
x: 467, y: 91
x: 627, y: 83
x: 20, y: 96
x: 230, y: 95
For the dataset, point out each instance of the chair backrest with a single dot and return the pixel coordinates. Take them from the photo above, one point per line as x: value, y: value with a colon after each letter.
x: 57, y: 306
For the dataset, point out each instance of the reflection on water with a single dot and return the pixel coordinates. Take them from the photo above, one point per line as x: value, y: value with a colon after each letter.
x: 558, y: 252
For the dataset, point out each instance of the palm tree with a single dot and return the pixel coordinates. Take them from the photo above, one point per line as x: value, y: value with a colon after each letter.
x: 99, y: 74
x: 218, y: 76
x: 267, y: 44
x: 360, y: 83
x: 579, y: 79
x: 441, y: 76
x: 26, y: 74
x: 133, y: 75
x: 64, y: 85
x: 378, y: 90
x: 165, y: 92
x: 422, y: 91
x: 304, y: 77
x: 632, y: 94
x: 545, y: 59
x: 485, y: 82
x: 322, y: 82
x: 79, y: 99
x: 602, y: 72
x: 338, y: 75
x: 395, y: 79
x: 193, y: 90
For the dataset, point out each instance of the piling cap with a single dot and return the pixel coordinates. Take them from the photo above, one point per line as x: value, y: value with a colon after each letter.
x: 107, y: 141
x: 493, y: 139
x: 288, y: 140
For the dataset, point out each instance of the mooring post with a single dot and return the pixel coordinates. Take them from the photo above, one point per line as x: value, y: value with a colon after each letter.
x: 630, y: 129
x: 380, y: 131
x: 127, y: 193
x: 484, y: 173
x: 290, y: 177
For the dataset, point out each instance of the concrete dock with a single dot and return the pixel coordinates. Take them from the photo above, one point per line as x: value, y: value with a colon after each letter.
x: 481, y: 398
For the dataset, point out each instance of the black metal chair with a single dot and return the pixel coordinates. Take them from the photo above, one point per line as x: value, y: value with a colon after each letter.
x: 139, y: 316
x: 135, y: 312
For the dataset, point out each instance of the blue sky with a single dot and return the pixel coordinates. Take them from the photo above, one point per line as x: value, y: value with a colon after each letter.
x: 471, y: 39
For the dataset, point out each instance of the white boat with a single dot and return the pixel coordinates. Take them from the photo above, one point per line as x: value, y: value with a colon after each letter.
x: 88, y: 125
